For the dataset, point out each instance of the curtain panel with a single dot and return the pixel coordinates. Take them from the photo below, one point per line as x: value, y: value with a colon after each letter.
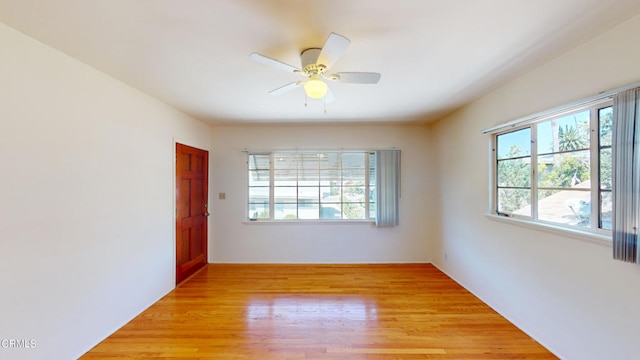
x: 388, y: 187
x: 626, y: 175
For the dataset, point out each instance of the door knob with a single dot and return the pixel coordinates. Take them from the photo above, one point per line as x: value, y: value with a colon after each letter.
x: 206, y: 214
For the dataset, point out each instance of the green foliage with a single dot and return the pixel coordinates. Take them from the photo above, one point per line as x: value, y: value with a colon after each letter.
x: 352, y: 211
x: 513, y: 173
x: 606, y: 126
x: 571, y: 139
x: 354, y: 188
x: 606, y: 134
x: 605, y: 168
x: 569, y: 171
x: 566, y: 171
x: 334, y: 189
x: 264, y: 214
x: 511, y: 200
x: 514, y: 151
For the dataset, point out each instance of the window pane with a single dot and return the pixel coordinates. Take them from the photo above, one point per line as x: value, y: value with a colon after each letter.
x: 353, y: 193
x: 349, y: 175
x: 566, y: 170
x: 327, y: 175
x: 285, y: 211
x: 372, y: 210
x: 353, y: 210
x: 605, y: 119
x: 309, y: 194
x: 285, y: 160
x: 285, y: 177
x: 259, y: 211
x: 259, y: 178
x: 514, y: 173
x: 517, y: 201
x: 259, y: 162
x: 567, y: 133
x: 285, y: 194
x: 329, y: 160
x: 605, y: 169
x: 330, y: 194
x: 309, y: 211
x: 330, y: 211
x: 309, y: 175
x: 606, y: 209
x: 353, y: 160
x: 372, y: 169
x: 258, y: 194
x: 309, y: 160
x: 514, y: 144
x: 570, y: 207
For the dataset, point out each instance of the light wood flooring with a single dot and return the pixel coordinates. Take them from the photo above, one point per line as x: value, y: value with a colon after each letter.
x: 411, y: 311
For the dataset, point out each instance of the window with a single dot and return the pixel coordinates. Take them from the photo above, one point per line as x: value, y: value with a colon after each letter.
x: 311, y: 185
x: 557, y: 169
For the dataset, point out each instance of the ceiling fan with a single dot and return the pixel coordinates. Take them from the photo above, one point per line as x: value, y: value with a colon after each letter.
x: 314, y: 66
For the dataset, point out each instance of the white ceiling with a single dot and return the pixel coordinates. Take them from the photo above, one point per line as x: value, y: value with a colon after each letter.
x: 434, y: 56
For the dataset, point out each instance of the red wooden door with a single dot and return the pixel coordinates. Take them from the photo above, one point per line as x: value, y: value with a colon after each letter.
x: 192, y: 169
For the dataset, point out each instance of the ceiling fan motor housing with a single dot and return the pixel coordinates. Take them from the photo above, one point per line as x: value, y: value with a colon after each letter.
x: 314, y: 69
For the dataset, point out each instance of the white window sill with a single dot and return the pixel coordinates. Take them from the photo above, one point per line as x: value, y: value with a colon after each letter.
x: 588, y: 236
x: 309, y: 222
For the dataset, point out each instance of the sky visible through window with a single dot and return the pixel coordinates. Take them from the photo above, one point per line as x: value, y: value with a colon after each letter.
x: 522, y: 139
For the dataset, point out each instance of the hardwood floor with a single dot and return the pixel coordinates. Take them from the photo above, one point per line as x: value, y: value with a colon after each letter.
x: 402, y: 311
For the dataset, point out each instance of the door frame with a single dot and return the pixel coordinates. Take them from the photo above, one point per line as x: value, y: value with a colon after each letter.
x: 174, y: 205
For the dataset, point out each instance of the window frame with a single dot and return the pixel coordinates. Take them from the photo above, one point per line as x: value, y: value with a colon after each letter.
x: 368, y: 184
x: 594, y: 148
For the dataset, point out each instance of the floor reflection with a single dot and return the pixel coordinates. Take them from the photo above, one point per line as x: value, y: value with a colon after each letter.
x: 312, y: 309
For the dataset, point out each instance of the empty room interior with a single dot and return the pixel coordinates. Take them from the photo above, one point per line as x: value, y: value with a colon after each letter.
x: 280, y: 179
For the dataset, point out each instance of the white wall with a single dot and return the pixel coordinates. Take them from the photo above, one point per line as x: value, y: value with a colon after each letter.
x: 238, y: 242
x: 86, y: 200
x: 567, y: 293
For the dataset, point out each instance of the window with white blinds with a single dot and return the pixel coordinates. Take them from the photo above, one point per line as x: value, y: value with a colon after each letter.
x: 311, y: 185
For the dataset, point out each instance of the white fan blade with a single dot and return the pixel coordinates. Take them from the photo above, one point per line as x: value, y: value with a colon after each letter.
x: 285, y: 89
x: 272, y: 62
x: 355, y: 77
x: 333, y: 49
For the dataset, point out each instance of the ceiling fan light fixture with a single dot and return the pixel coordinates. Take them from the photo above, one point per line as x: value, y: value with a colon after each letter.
x: 315, y: 88
x: 315, y: 64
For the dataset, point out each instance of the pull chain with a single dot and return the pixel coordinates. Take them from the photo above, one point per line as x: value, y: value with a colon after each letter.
x: 324, y: 99
x: 325, y: 104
